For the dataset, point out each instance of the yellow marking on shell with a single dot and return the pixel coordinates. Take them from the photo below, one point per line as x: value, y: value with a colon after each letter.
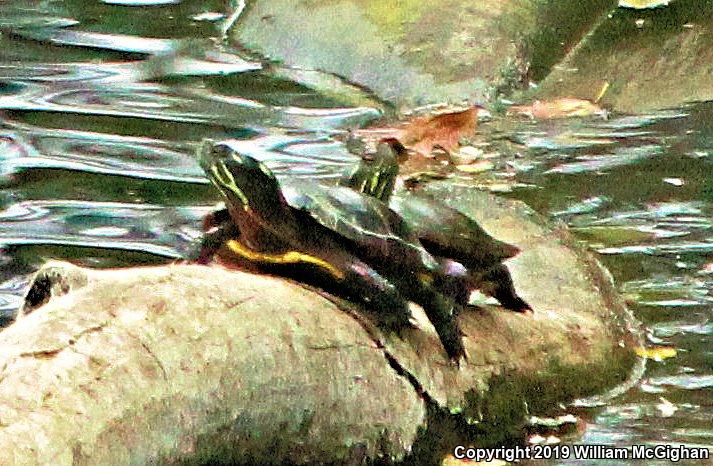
x: 290, y: 257
x: 266, y: 171
x: 362, y: 187
x: 383, y: 183
x: 602, y: 91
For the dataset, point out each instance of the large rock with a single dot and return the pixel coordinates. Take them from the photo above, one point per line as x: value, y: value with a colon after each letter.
x: 196, y: 364
x: 651, y: 59
x: 413, y: 52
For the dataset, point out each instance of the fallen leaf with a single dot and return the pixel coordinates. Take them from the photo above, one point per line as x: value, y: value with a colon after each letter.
x: 467, y: 154
x: 421, y: 134
x: 657, y: 353
x: 444, y: 130
x: 666, y: 408
x: 477, y: 167
x: 674, y: 181
x: 643, y: 4
x: 451, y: 460
x: 559, y: 108
x: 553, y: 422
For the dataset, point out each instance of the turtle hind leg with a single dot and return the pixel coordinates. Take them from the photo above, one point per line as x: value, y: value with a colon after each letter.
x: 442, y: 314
x: 454, y: 281
x: 343, y: 274
x: 498, y: 283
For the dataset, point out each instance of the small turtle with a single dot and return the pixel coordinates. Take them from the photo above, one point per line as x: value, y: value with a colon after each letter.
x: 330, y: 236
x: 470, y: 257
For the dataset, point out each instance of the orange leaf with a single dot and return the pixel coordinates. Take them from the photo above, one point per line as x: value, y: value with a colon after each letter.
x: 558, y: 108
x: 657, y: 353
x: 421, y: 134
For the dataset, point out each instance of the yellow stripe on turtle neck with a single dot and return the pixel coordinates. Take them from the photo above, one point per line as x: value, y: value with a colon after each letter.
x: 290, y: 257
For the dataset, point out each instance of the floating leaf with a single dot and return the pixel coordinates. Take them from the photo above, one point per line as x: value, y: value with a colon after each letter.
x: 674, y: 181
x: 477, y: 167
x: 559, y: 108
x: 657, y: 353
x: 666, y: 408
x: 443, y: 130
x: 467, y: 154
x: 643, y: 4
x: 421, y: 134
x: 553, y: 422
x: 451, y: 460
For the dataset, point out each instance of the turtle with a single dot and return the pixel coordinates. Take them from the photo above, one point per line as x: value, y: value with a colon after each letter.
x: 333, y: 237
x: 470, y: 258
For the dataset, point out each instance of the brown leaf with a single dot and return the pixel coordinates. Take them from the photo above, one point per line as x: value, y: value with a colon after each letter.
x: 421, y: 134
x: 558, y: 108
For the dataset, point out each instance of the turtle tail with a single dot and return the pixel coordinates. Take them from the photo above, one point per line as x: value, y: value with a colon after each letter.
x: 498, y: 283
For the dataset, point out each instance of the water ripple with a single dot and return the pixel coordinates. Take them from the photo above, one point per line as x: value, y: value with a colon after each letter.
x: 162, y: 231
x: 686, y: 381
x: 622, y: 156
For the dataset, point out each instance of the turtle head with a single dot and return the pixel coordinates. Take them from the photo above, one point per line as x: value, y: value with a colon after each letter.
x: 389, y: 153
x: 245, y: 183
x: 391, y: 149
x: 376, y: 174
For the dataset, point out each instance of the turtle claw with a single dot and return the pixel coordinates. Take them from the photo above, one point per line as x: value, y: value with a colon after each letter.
x: 516, y: 305
x: 461, y: 361
x: 522, y: 307
x: 456, y: 352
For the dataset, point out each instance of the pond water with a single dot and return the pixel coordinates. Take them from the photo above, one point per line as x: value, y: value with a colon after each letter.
x: 97, y: 128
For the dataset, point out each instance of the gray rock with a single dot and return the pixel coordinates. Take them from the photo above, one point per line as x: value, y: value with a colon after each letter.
x: 189, y: 363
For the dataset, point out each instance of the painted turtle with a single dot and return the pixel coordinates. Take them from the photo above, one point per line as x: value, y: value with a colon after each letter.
x: 470, y: 258
x: 334, y: 237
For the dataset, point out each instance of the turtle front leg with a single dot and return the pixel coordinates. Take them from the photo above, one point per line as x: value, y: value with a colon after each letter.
x: 212, y: 240
x: 215, y: 219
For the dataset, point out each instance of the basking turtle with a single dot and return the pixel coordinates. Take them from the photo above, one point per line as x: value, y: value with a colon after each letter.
x: 334, y: 237
x: 470, y: 258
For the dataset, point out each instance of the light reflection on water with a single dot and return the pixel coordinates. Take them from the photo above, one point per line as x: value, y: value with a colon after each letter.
x: 98, y: 124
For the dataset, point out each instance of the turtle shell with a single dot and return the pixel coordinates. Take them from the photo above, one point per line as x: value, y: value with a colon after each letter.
x: 448, y: 232
x: 361, y: 219
x: 443, y: 230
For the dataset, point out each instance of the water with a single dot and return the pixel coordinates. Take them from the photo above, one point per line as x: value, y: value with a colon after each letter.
x: 98, y: 124
x: 638, y: 191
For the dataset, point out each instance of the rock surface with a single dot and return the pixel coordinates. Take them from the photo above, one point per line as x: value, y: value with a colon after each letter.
x: 193, y: 364
x: 412, y: 53
x: 650, y: 59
